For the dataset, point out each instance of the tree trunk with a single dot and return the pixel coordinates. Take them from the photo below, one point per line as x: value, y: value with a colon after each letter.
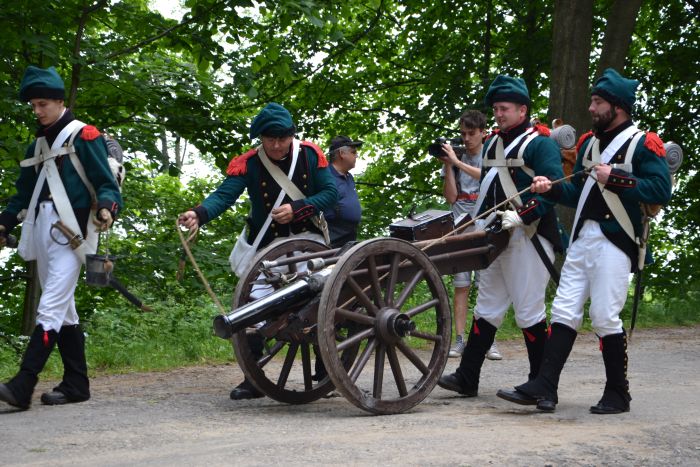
x: 165, y: 153
x: 618, y: 35
x: 568, y: 95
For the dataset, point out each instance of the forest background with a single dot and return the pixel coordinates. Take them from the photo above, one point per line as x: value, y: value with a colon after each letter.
x: 179, y: 95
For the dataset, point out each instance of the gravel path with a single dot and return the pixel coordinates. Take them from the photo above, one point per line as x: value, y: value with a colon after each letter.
x: 184, y: 417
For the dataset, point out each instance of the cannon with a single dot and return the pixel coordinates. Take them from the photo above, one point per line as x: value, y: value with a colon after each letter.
x: 371, y: 320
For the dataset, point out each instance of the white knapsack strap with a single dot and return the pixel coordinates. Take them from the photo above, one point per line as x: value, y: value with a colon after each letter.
x: 611, y: 199
x: 282, y: 177
x: 78, y: 166
x: 293, y: 191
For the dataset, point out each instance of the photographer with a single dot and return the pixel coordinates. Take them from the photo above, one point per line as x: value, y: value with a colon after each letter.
x: 461, y: 189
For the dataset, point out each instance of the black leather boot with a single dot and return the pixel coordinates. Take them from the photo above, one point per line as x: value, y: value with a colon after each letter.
x: 75, y: 386
x: 616, y: 395
x: 542, y: 391
x: 535, y: 338
x: 18, y: 391
x: 246, y: 390
x: 466, y: 379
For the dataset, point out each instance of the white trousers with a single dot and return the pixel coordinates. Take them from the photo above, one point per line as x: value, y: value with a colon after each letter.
x: 518, y: 277
x: 594, y: 268
x: 58, y: 268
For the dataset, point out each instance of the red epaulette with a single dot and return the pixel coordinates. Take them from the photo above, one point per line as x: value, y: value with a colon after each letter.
x: 239, y: 164
x: 542, y: 129
x: 322, y: 161
x: 582, y: 140
x: 89, y: 133
x: 493, y: 133
x: 653, y: 143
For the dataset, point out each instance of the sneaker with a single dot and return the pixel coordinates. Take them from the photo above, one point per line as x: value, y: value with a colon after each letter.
x: 458, y: 348
x: 493, y: 353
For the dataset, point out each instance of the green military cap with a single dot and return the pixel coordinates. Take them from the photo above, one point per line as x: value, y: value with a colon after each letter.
x: 273, y: 120
x: 44, y: 83
x: 616, y: 89
x: 507, y: 89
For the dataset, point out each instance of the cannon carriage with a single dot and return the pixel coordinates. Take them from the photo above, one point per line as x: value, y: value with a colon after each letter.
x: 371, y: 320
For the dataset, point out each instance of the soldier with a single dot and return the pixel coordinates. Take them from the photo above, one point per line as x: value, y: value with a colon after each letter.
x: 48, y: 199
x: 629, y: 168
x: 511, y: 157
x: 271, y: 216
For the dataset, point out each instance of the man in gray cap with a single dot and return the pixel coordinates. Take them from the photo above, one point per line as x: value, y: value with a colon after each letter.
x: 345, y: 216
x: 289, y: 217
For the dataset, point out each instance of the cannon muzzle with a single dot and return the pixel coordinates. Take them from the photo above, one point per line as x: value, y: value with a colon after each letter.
x: 270, y: 306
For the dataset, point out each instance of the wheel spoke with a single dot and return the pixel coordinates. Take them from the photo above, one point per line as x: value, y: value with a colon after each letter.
x: 362, y: 297
x: 408, y: 290
x: 355, y: 316
x: 427, y: 336
x: 273, y: 351
x: 378, y: 372
x: 393, y: 275
x: 374, y: 281
x: 362, y: 361
x: 413, y: 357
x: 355, y: 339
x: 287, y: 366
x: 306, y: 366
x: 396, y: 370
x: 422, y: 307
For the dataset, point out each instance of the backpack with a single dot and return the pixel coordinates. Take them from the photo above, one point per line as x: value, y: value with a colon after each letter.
x: 115, y: 159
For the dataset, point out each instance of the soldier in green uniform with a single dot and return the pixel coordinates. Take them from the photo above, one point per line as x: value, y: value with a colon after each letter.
x: 288, y: 217
x: 67, y: 199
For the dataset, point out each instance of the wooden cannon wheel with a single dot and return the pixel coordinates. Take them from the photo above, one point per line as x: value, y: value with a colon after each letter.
x: 394, y: 296
x: 290, y: 380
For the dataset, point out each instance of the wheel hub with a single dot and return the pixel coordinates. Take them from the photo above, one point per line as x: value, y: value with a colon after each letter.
x: 392, y: 325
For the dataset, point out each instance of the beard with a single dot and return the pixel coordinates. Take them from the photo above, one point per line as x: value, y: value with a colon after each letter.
x: 602, y: 121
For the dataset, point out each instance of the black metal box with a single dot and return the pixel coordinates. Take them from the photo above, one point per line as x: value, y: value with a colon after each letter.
x: 426, y: 225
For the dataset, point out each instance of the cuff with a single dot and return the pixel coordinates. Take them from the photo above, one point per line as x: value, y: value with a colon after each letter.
x: 527, y: 211
x: 111, y: 206
x: 620, y: 180
x: 302, y: 210
x: 202, y: 214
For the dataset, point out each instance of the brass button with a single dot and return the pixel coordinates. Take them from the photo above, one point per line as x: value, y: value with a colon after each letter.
x: 607, y: 216
x: 267, y: 205
x: 305, y: 186
x: 273, y: 225
x: 264, y: 183
x: 303, y: 229
x: 265, y: 195
x: 303, y: 176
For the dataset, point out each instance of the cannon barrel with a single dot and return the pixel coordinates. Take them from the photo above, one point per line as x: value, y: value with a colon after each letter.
x: 270, y: 306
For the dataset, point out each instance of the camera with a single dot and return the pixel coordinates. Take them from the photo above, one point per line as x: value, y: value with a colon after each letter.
x: 457, y: 144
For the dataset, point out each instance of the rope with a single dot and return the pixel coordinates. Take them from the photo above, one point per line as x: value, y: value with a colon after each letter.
x: 186, y: 247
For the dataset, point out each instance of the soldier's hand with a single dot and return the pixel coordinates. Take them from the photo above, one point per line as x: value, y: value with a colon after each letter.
x: 510, y: 220
x: 189, y: 220
x: 601, y: 172
x: 540, y: 184
x: 103, y: 220
x: 283, y: 214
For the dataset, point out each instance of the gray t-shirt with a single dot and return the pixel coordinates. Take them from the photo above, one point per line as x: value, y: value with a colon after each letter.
x: 466, y: 185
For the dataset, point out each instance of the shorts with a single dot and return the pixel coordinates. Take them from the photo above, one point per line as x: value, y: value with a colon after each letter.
x: 464, y: 279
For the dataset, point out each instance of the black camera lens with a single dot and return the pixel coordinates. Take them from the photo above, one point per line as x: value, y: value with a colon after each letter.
x: 435, y: 150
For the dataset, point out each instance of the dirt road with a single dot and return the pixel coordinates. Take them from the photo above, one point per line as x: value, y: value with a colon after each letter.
x: 184, y: 417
